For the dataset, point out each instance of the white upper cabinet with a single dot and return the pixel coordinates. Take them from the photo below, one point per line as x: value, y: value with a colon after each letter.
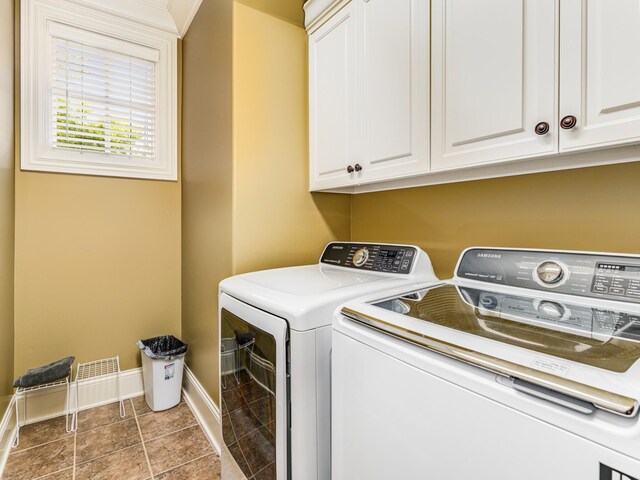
x: 394, y: 87
x: 417, y: 92
x: 332, y: 97
x: 369, y: 93
x: 600, y: 73
x: 493, y: 81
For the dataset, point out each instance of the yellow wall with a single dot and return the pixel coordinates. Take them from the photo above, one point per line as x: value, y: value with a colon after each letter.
x: 97, y: 266
x: 245, y: 196
x: 206, y: 182
x: 276, y: 221
x: 588, y: 209
x: 6, y: 201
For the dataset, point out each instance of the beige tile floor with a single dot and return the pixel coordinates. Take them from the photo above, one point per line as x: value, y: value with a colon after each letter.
x: 143, y: 445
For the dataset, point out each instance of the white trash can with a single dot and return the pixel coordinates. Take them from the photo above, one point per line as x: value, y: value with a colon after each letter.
x: 162, y: 368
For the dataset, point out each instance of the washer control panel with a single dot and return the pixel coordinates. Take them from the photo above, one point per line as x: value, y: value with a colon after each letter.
x: 612, y: 277
x: 371, y: 257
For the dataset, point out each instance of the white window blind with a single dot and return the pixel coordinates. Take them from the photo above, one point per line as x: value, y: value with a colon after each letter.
x: 103, y: 102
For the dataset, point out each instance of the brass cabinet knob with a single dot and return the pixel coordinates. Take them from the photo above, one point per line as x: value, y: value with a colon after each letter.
x: 542, y: 128
x: 568, y: 122
x: 349, y: 169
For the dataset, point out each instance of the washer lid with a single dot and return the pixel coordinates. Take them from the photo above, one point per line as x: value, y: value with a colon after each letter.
x: 599, y: 337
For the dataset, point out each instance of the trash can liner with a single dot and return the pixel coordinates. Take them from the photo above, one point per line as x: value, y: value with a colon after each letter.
x: 166, y: 347
x: 243, y: 337
x: 46, y: 374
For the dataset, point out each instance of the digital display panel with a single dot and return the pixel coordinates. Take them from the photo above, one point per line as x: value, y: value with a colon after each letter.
x: 389, y: 253
x: 613, y: 268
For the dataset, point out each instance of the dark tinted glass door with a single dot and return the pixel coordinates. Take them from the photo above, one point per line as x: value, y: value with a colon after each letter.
x: 248, y: 366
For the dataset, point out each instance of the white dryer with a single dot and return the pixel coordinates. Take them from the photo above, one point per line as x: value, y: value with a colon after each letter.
x: 275, y: 338
x: 524, y: 366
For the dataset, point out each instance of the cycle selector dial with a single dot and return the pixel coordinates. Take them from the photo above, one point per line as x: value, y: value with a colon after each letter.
x: 360, y: 257
x: 550, y: 273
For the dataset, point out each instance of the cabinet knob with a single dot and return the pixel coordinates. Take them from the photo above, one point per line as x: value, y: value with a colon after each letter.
x: 358, y: 167
x: 350, y: 169
x: 568, y: 122
x: 542, y: 128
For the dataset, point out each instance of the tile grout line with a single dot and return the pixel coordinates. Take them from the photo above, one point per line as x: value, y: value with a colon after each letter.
x: 144, y: 448
x: 187, y: 463
x: 175, y: 431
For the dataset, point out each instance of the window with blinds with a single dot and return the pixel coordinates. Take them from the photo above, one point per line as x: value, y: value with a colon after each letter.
x: 99, y: 93
x: 103, y: 102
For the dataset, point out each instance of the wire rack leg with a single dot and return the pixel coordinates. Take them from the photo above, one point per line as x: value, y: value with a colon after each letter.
x: 16, y: 441
x: 123, y: 412
x: 74, y: 418
x: 68, y: 427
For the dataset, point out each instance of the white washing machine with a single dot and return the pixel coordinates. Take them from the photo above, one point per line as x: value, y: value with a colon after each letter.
x: 275, y: 329
x: 523, y: 366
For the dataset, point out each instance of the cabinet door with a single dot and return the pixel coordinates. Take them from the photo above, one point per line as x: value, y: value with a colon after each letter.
x: 332, y: 101
x: 493, y: 80
x: 393, y: 47
x: 600, y: 72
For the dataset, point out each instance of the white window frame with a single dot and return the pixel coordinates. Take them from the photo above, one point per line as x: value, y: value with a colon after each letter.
x: 41, y: 19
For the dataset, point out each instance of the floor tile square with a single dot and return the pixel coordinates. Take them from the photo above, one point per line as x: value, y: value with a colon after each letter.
x: 39, y: 461
x: 103, y: 440
x: 127, y: 464
x: 177, y: 448
x: 104, y: 415
x: 42, y: 432
x: 160, y: 423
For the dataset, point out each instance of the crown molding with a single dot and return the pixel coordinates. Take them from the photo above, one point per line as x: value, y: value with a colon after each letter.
x: 172, y: 16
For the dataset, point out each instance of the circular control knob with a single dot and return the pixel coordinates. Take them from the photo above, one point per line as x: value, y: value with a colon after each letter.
x: 550, y: 273
x: 360, y: 257
x: 551, y: 309
x: 489, y: 302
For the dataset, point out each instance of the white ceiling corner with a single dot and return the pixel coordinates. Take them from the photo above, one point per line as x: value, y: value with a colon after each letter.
x: 173, y: 16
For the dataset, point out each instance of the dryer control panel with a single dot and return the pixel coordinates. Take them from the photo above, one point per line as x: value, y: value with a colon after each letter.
x: 612, y: 277
x: 371, y: 257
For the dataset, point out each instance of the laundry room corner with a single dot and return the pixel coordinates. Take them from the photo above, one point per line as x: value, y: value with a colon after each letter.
x: 245, y: 192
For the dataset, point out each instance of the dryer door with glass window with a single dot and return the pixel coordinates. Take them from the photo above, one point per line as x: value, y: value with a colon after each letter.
x: 253, y: 384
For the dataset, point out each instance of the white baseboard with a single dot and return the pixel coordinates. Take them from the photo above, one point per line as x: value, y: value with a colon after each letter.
x: 52, y: 402
x: 7, y: 433
x: 205, y: 410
